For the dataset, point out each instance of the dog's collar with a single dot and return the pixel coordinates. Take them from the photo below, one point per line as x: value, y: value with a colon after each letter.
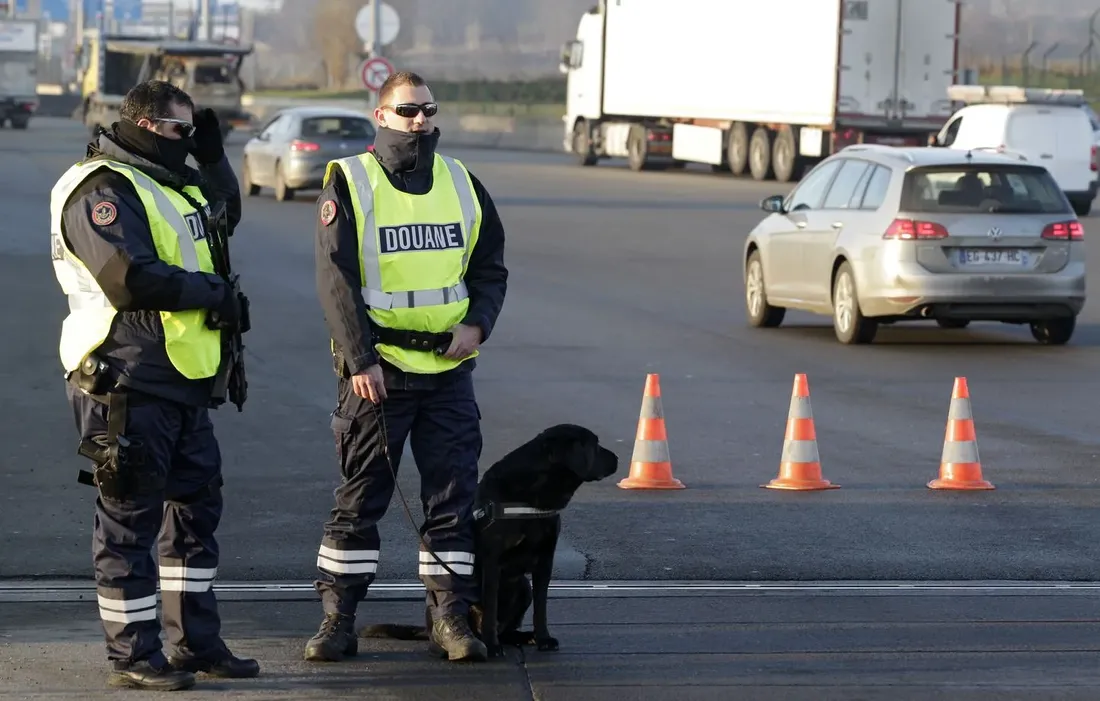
x: 513, y: 511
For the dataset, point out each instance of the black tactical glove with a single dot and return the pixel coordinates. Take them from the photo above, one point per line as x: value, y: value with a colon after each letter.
x: 227, y: 315
x: 208, y: 148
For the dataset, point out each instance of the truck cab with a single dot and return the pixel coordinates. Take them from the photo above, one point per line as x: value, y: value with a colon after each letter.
x: 207, y: 71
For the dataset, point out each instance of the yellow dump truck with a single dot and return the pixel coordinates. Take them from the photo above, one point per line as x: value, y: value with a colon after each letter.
x: 109, y: 65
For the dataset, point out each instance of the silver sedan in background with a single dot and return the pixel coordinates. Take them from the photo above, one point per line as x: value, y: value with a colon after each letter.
x: 291, y: 150
x: 877, y: 234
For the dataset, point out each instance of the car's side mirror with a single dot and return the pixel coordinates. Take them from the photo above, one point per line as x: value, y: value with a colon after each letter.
x: 773, y: 204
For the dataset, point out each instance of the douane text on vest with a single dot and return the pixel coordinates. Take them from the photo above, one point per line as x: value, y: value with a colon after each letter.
x: 420, y: 237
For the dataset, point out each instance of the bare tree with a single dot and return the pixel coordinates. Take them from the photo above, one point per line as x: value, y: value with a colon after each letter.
x: 335, y: 37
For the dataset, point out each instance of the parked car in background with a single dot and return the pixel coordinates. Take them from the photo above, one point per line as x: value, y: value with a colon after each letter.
x: 290, y: 152
x: 1048, y: 126
x: 877, y: 234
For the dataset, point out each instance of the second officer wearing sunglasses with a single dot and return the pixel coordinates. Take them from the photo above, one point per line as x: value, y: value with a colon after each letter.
x: 140, y: 345
x: 407, y: 309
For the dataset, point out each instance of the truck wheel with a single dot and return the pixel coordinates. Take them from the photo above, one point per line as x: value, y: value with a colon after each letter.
x: 582, y: 144
x: 760, y: 154
x: 20, y: 122
x: 636, y: 147
x: 737, y: 148
x: 783, y: 155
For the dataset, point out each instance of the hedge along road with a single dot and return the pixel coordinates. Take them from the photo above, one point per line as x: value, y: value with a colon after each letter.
x: 614, y: 275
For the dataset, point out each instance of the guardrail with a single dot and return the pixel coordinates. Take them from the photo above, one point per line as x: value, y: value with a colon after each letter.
x: 469, y: 129
x: 513, y: 132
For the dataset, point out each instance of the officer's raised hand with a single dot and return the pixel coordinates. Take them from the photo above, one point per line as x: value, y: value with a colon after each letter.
x: 370, y: 384
x: 464, y: 341
x: 208, y: 148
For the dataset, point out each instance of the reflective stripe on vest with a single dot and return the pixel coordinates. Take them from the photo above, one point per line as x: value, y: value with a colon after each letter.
x: 372, y: 288
x: 193, y: 349
x: 433, y: 308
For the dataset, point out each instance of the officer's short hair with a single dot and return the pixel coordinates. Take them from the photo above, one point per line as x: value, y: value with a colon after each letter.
x: 397, y: 80
x: 152, y: 100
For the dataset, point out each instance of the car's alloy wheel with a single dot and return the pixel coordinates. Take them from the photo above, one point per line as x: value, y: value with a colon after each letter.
x: 850, y: 325
x: 760, y: 313
x: 843, y: 303
x: 754, y: 289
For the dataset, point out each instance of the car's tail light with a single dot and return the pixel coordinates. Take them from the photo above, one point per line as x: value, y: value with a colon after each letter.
x: 1093, y: 162
x: 914, y: 230
x: 299, y: 145
x: 1064, y: 231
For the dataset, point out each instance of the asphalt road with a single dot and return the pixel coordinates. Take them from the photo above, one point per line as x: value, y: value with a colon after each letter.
x: 798, y: 644
x: 614, y: 275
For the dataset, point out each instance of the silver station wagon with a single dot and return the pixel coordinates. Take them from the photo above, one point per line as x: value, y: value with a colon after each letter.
x: 877, y: 234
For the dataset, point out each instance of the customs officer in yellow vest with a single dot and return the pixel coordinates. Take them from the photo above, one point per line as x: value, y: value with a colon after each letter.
x: 411, y: 278
x: 139, y: 348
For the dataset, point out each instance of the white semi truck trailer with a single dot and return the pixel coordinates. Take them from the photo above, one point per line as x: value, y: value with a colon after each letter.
x: 764, y: 87
x: 18, y: 71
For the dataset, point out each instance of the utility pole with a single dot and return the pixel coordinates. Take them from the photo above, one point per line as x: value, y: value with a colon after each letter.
x: 375, y: 41
x: 376, y: 29
x: 205, y: 19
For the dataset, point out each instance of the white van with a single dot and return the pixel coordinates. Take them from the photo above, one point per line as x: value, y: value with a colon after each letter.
x: 1046, y: 126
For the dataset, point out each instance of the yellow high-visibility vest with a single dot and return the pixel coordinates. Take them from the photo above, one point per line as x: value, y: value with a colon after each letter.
x: 413, y: 252
x: 179, y: 236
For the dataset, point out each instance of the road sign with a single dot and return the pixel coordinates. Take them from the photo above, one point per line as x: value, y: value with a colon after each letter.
x: 374, y: 71
x: 390, y: 23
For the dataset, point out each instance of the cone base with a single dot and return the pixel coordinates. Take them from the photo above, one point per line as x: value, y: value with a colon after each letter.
x: 802, y: 477
x: 800, y: 485
x: 643, y: 483
x: 961, y: 476
x: 970, y: 485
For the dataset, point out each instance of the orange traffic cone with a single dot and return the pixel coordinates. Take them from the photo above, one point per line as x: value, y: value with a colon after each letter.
x: 800, y: 466
x: 960, y: 466
x: 650, y: 466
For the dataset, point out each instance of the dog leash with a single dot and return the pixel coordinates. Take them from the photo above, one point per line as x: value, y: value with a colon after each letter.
x: 393, y: 471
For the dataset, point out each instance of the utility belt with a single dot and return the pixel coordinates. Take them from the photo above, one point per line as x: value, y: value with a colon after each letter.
x: 437, y: 343
x: 120, y: 461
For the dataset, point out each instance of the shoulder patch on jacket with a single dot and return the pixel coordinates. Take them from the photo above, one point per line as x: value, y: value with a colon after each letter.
x: 328, y: 212
x: 104, y: 213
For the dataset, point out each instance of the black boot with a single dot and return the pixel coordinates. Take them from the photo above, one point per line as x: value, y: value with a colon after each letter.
x: 452, y: 638
x: 334, y: 641
x: 228, y: 666
x: 143, y: 675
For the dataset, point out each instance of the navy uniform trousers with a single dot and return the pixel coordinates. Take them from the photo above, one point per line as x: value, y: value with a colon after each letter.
x: 440, y: 417
x: 181, y: 448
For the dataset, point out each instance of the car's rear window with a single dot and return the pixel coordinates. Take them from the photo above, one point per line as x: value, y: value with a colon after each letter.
x: 1005, y: 189
x: 337, y: 127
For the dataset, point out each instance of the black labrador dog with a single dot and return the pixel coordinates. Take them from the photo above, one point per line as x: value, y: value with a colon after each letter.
x: 517, y: 512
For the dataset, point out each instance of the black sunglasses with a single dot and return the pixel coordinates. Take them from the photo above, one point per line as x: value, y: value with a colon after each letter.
x: 408, y: 110
x: 184, y: 129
